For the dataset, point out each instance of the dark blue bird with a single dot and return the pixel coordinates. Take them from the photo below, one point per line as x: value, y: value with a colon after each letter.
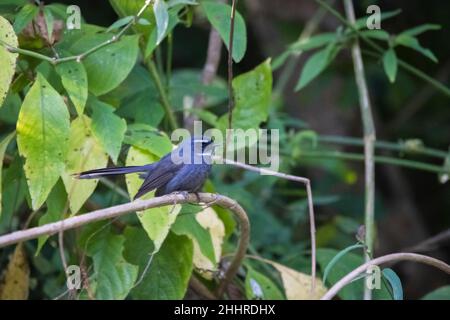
x: 185, y: 169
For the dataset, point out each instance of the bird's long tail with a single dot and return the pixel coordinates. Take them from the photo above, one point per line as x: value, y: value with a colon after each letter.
x: 97, y: 173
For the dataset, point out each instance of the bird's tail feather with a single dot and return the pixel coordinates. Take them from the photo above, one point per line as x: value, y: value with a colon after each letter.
x: 97, y: 173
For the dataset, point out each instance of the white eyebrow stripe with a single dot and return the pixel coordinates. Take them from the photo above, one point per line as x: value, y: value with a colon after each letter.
x: 201, y: 140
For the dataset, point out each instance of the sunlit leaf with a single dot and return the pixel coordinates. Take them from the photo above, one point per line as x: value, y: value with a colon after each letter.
x: 42, y: 138
x: 148, y: 138
x: 7, y: 59
x: 85, y: 153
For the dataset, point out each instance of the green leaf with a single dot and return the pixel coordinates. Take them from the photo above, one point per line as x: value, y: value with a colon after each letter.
x: 376, y: 34
x: 3, y: 145
x: 56, y: 203
x: 114, y: 276
x: 168, y: 275
x: 74, y: 79
x: 162, y: 19
x: 42, y: 138
x: 313, y: 42
x: 108, y: 128
x: 24, y: 17
x: 336, y: 259
x: 7, y: 59
x: 252, y: 94
x: 218, y: 15
x: 346, y: 264
x: 156, y: 221
x: 395, y: 282
x: 173, y: 3
x: 48, y: 17
x: 120, y: 23
x: 155, y: 35
x: 362, y: 22
x: 107, y: 67
x: 420, y: 29
x: 258, y: 286
x: 390, y: 64
x: 411, y: 42
x: 85, y: 153
x: 317, y: 63
x: 148, y: 138
x: 442, y: 293
x: 125, y: 8
x: 186, y: 224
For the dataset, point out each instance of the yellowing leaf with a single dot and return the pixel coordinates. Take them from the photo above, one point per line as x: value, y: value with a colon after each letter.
x: 7, y: 59
x: 85, y: 153
x: 15, y: 280
x: 42, y: 137
x: 297, y: 285
x: 209, y: 220
x: 156, y: 221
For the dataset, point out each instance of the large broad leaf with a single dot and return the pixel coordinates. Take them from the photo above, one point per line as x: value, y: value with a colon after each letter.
x: 114, y: 276
x: 42, y: 138
x: 24, y: 16
x: 85, y: 153
x: 346, y: 264
x: 3, y: 145
x: 252, y: 94
x: 156, y: 221
x: 56, y: 203
x: 258, y: 286
x: 187, y: 224
x: 7, y: 59
x: 147, y: 138
x: 219, y: 15
x: 74, y: 79
x: 108, y: 128
x: 168, y: 274
x: 107, y: 67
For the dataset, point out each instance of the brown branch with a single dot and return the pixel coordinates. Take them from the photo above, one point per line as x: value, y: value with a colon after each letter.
x: 139, y: 205
x: 302, y: 180
x: 394, y: 257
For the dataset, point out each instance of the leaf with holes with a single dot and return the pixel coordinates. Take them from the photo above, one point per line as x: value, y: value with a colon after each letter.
x: 85, y: 153
x: 43, y: 130
x: 7, y: 59
x: 74, y: 79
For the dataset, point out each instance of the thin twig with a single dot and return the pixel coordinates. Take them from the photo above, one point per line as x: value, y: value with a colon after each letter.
x: 369, y: 139
x: 431, y: 243
x: 81, y: 56
x: 302, y: 180
x: 381, y: 260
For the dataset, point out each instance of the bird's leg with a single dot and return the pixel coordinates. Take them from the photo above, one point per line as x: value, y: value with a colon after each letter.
x: 211, y: 203
x: 185, y: 195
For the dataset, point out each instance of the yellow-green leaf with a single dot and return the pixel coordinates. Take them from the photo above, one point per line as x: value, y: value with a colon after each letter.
x: 156, y: 221
x: 85, y: 153
x: 7, y: 59
x: 42, y: 137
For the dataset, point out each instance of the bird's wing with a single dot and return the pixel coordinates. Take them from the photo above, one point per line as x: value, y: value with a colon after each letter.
x: 158, y: 177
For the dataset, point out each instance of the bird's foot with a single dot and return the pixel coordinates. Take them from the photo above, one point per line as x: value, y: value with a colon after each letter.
x: 185, y: 195
x: 212, y: 202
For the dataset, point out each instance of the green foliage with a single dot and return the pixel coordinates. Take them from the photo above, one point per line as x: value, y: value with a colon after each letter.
x: 390, y: 64
x: 74, y: 79
x: 42, y: 138
x: 218, y: 15
x: 7, y: 59
x: 260, y: 287
x: 3, y: 145
x: 442, y: 293
x: 395, y: 282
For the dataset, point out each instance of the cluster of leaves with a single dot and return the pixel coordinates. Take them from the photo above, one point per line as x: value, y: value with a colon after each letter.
x: 102, y: 100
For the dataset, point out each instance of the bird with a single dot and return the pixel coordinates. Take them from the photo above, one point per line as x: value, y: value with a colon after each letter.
x: 184, y: 170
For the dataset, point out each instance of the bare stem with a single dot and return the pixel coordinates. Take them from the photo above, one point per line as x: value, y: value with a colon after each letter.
x: 369, y: 139
x: 394, y: 257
